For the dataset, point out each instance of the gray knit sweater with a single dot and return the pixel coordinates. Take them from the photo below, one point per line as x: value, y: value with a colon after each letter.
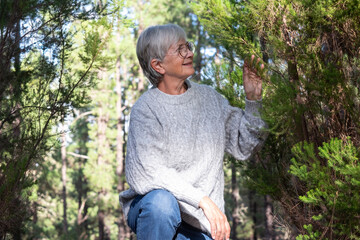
x: 177, y: 143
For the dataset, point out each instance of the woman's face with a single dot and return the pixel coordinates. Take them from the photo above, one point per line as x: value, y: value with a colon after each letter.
x: 178, y: 63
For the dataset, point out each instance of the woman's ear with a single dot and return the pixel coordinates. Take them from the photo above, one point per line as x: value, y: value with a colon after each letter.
x: 157, y: 66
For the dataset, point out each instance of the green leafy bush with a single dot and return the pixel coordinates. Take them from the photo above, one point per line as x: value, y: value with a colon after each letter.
x: 331, y: 174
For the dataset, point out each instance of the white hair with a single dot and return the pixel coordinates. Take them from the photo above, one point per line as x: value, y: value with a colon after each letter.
x: 153, y: 43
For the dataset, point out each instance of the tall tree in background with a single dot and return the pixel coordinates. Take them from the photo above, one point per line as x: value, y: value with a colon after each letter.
x: 37, y: 88
x: 78, y: 151
x: 63, y: 178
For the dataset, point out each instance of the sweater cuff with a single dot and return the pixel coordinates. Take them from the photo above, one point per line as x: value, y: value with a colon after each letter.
x: 195, y: 198
x: 252, y: 107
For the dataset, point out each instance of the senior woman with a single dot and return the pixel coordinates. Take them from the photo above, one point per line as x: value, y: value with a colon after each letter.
x: 179, y: 131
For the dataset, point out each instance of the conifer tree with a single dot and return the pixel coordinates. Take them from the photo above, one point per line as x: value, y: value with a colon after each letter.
x: 310, y: 95
x: 37, y: 88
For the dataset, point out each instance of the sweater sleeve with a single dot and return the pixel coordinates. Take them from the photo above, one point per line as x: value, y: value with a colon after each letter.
x: 146, y: 155
x: 244, y: 129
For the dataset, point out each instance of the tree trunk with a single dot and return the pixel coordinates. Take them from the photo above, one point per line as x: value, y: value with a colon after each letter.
x: 63, y: 178
x: 269, y: 218
x: 217, y: 65
x: 301, y: 125
x: 17, y: 48
x: 198, y: 51
x: 141, y: 84
x: 82, y: 206
x: 81, y: 183
x: 34, y: 213
x: 119, y: 135
x: 253, y: 204
x: 124, y: 233
x: 102, y: 125
x: 103, y: 145
x: 253, y: 212
x: 236, y: 199
x: 103, y: 229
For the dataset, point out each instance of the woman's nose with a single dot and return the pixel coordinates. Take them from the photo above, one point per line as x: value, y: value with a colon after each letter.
x: 189, y: 54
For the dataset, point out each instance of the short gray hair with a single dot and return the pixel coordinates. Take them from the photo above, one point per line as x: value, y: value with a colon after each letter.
x: 153, y: 43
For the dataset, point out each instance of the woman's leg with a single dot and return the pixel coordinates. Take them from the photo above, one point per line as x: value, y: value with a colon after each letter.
x: 187, y: 232
x: 155, y: 215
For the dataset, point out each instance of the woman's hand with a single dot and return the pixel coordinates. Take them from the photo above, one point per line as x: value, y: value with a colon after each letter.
x: 220, y: 228
x: 252, y: 80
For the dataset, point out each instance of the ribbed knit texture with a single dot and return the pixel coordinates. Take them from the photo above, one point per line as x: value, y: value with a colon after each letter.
x: 177, y: 143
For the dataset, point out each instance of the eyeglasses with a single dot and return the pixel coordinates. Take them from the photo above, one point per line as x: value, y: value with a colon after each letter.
x: 184, y: 49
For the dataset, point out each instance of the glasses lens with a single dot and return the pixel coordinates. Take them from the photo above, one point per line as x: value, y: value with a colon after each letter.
x: 185, y: 48
x: 191, y: 46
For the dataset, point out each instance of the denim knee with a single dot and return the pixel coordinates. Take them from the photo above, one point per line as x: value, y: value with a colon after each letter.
x: 156, y: 215
x: 162, y: 205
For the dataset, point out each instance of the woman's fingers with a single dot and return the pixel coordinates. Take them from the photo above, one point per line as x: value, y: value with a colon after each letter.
x: 252, y: 78
x: 254, y: 65
x: 213, y: 227
x: 216, y: 229
x: 228, y: 229
x: 220, y: 228
x: 220, y: 223
x: 224, y: 226
x: 211, y: 216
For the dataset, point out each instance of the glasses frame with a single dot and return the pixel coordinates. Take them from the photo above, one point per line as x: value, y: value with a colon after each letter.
x: 184, y: 49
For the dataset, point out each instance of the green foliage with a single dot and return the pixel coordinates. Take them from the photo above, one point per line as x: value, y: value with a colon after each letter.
x: 227, y: 23
x: 310, y: 234
x: 311, y: 94
x: 39, y: 85
x: 332, y: 183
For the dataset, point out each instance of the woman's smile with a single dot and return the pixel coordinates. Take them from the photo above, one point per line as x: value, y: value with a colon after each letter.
x: 188, y: 64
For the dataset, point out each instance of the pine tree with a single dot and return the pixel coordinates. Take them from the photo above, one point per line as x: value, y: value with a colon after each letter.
x: 37, y: 88
x: 310, y: 94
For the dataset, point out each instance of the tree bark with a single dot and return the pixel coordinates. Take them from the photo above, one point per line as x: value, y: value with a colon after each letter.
x: 123, y: 232
x: 236, y: 199
x: 63, y: 178
x: 217, y: 65
x: 17, y: 48
x: 119, y: 135
x: 102, y: 121
x: 103, y: 229
x: 198, y: 51
x: 82, y: 206
x: 253, y: 204
x: 141, y: 84
x: 81, y: 183
x: 301, y: 125
x: 269, y: 218
x: 253, y: 212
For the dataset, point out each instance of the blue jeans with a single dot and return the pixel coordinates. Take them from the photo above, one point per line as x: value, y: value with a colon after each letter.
x: 156, y: 216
